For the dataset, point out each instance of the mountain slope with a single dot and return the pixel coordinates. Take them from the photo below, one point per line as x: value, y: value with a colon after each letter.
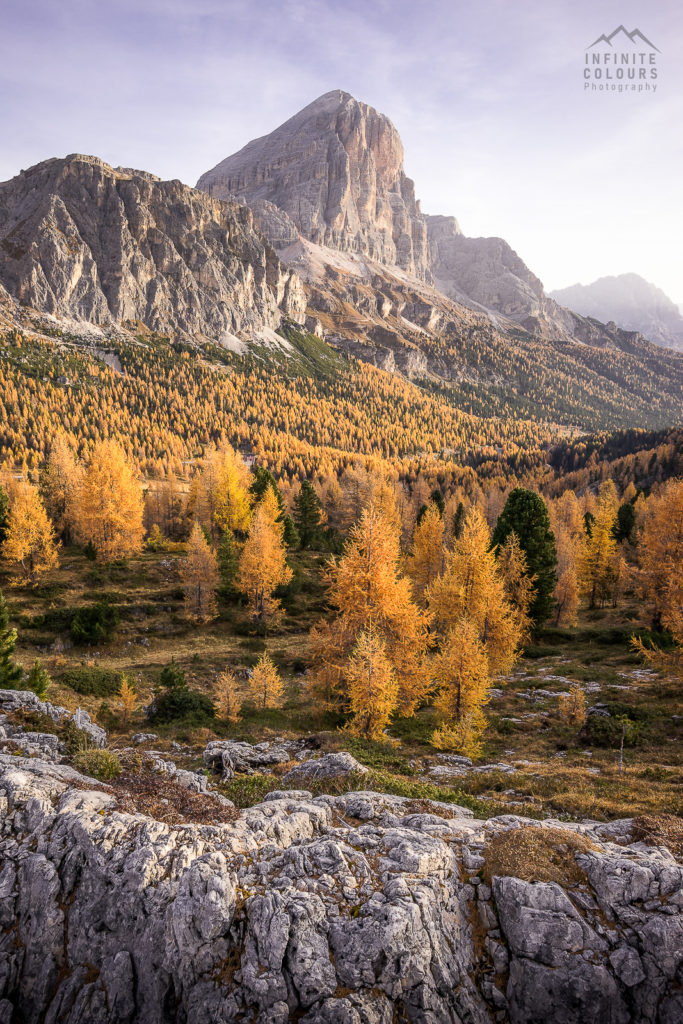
x: 631, y: 302
x: 80, y: 239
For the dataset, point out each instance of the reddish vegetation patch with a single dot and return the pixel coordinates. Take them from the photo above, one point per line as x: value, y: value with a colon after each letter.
x: 659, y: 830
x: 161, y: 798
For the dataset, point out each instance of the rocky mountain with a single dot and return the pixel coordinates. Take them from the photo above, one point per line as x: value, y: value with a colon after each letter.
x: 336, y: 170
x: 82, y: 240
x: 361, y: 908
x: 631, y: 302
x: 333, y: 175
x: 490, y: 274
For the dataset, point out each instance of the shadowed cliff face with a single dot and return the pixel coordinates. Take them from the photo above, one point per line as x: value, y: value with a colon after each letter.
x: 80, y: 239
x: 336, y: 170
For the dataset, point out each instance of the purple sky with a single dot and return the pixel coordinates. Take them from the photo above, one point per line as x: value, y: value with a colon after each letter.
x: 488, y: 97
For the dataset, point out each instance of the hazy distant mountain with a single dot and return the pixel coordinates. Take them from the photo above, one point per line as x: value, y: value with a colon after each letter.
x: 630, y: 302
x: 83, y: 240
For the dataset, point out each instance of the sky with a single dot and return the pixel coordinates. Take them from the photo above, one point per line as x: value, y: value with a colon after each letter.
x: 488, y: 97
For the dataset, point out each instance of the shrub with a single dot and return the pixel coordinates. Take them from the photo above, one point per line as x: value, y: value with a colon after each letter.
x: 38, y: 679
x: 601, y: 731
x: 94, y: 623
x: 100, y: 764
x: 95, y: 682
x: 175, y: 700
x: 181, y: 703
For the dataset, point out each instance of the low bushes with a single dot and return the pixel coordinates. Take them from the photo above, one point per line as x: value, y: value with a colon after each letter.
x: 95, y: 682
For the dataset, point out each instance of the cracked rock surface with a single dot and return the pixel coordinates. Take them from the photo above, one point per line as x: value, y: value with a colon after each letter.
x: 361, y: 908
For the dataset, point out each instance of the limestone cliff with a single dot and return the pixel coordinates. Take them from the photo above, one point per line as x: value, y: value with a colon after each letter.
x: 84, y: 240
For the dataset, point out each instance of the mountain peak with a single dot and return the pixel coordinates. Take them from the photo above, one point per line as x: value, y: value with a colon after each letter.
x: 335, y: 171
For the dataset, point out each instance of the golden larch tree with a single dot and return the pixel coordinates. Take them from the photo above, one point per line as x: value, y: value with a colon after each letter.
x: 265, y: 684
x: 227, y: 697
x: 572, y: 706
x: 108, y: 508
x: 127, y: 701
x: 517, y: 583
x: 263, y: 563
x: 29, y: 547
x: 566, y: 596
x: 59, y: 483
x: 425, y: 563
x: 472, y: 588
x: 200, y: 577
x: 462, y: 678
x: 372, y: 686
x: 596, y: 562
x: 660, y: 551
x: 219, y: 495
x: 367, y: 588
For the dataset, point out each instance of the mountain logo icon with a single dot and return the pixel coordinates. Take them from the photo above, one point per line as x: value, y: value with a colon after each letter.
x: 632, y: 37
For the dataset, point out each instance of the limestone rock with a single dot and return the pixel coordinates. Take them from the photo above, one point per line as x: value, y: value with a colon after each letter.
x: 301, y: 910
x: 335, y: 170
x: 329, y: 766
x: 26, y: 700
x: 230, y: 756
x: 83, y: 240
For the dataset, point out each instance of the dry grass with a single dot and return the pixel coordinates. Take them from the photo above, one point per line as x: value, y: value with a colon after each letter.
x: 537, y: 855
x: 660, y: 830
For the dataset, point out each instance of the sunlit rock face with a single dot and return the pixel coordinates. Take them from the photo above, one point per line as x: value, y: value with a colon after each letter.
x: 336, y: 170
x: 81, y: 239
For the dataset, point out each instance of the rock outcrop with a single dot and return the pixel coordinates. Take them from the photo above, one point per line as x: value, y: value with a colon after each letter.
x: 25, y: 701
x: 333, y: 173
x: 83, y: 240
x: 360, y: 908
x: 630, y: 302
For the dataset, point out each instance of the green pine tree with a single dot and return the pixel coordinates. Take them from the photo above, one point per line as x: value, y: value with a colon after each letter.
x: 307, y: 515
x: 38, y: 679
x: 525, y: 514
x: 11, y: 674
x: 228, y: 561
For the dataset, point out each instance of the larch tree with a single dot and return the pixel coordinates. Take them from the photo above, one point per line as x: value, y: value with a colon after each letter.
x: 29, y: 546
x: 525, y: 513
x: 265, y: 684
x: 220, y: 492
x: 462, y: 678
x: 518, y: 583
x: 596, y: 564
x: 572, y: 706
x: 368, y: 590
x: 227, y: 697
x: 566, y: 596
x: 127, y: 700
x: 372, y: 686
x: 200, y: 578
x: 109, y: 504
x: 59, y: 483
x: 426, y: 560
x: 263, y: 564
x: 472, y: 588
x: 660, y: 551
